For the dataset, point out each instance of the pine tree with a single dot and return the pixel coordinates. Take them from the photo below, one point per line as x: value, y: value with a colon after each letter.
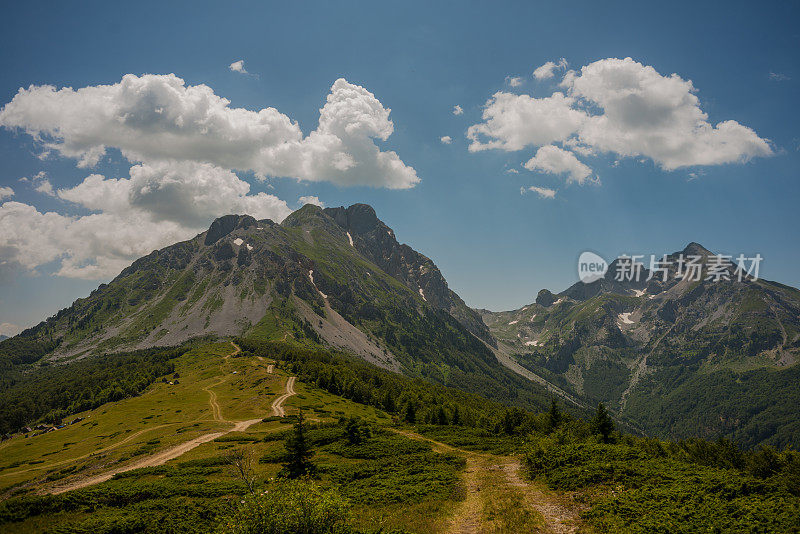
x: 602, y: 423
x: 456, y: 416
x: 554, y: 416
x: 410, y: 413
x: 299, y: 449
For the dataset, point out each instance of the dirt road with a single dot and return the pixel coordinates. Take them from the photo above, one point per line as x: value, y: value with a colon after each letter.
x: 171, y: 453
x: 499, y: 499
x: 277, y: 404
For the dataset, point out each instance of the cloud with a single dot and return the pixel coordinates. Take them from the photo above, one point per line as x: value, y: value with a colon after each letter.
x: 41, y: 175
x: 543, y: 192
x: 621, y: 107
x: 238, y: 66
x: 158, y: 205
x: 91, y: 247
x: 513, y: 122
x: 512, y: 171
x: 6, y: 192
x: 778, y: 77
x: 311, y: 200
x: 547, y: 71
x: 553, y: 160
x: 154, y: 118
x: 187, y: 193
x: 659, y: 117
x: 8, y: 329
x: 514, y: 81
x: 446, y: 139
x: 457, y: 110
x: 45, y: 187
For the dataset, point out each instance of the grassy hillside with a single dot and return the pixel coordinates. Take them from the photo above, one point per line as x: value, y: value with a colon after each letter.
x: 391, y: 454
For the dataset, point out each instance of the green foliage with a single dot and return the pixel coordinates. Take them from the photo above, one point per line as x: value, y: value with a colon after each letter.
x: 357, y: 430
x: 602, y: 423
x: 753, y: 408
x: 298, y: 452
x: 554, y: 416
x: 28, y: 347
x: 182, y: 499
x: 54, y: 392
x: 289, y: 507
x: 643, y: 485
x: 412, y: 400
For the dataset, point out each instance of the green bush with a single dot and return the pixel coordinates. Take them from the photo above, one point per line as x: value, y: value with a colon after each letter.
x: 289, y: 507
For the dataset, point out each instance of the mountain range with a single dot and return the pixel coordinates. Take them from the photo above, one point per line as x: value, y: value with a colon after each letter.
x: 672, y: 357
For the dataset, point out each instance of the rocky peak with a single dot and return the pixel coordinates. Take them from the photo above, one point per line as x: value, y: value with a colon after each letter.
x: 227, y: 224
x: 378, y: 243
x: 695, y: 249
x: 360, y: 218
x: 545, y: 298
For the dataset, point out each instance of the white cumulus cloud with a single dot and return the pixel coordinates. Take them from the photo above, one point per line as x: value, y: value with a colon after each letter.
x: 547, y: 71
x: 457, y: 110
x: 553, y: 160
x: 311, y: 200
x: 45, y: 187
x: 153, y: 118
x: 446, y: 139
x: 658, y: 117
x: 6, y: 192
x: 543, y: 192
x: 622, y: 107
x: 514, y: 81
x: 159, y: 204
x: 238, y: 66
x: 95, y: 246
x: 512, y: 122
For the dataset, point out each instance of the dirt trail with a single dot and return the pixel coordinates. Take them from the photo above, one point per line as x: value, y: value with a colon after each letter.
x: 216, y: 411
x: 107, y: 448
x: 277, y: 404
x: 171, y: 453
x: 489, y: 478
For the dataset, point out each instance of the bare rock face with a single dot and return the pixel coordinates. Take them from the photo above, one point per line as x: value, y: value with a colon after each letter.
x: 545, y: 298
x: 227, y: 224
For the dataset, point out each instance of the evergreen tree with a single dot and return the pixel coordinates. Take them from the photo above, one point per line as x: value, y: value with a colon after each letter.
x: 356, y: 430
x: 554, y: 415
x: 456, y: 416
x: 299, y: 449
x: 410, y: 413
x: 602, y: 423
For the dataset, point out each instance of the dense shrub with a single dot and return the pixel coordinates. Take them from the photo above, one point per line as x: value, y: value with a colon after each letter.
x: 289, y: 507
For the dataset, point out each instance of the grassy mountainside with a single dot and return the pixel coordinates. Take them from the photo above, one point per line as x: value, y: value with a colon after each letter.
x: 322, y: 278
x: 391, y: 454
x: 678, y: 358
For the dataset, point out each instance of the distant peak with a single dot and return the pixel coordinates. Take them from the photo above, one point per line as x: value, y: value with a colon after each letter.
x: 695, y: 249
x: 226, y: 224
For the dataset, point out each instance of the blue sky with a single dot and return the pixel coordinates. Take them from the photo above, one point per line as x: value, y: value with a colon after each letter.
x: 496, y: 246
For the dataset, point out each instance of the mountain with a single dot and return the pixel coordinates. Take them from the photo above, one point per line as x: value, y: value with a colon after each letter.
x: 673, y: 357
x: 335, y: 278
x: 2, y: 337
x: 676, y: 357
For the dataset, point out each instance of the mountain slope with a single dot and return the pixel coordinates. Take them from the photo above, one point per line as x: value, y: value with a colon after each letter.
x: 335, y: 278
x: 641, y: 346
